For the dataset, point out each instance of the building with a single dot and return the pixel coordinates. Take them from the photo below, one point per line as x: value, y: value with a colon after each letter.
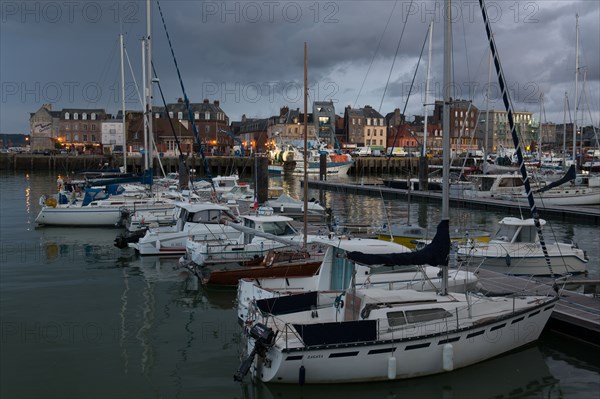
x: 464, y: 118
x: 211, y: 122
x: 325, y: 122
x: 113, y: 138
x: 500, y: 136
x: 44, y: 128
x: 365, y: 127
x: 81, y: 129
x: 251, y: 134
x: 288, y: 127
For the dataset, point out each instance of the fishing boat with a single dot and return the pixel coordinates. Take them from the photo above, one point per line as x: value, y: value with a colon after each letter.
x: 516, y: 249
x: 288, y: 159
x: 380, y: 334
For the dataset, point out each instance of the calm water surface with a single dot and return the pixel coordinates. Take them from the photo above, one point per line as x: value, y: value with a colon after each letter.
x: 80, y: 318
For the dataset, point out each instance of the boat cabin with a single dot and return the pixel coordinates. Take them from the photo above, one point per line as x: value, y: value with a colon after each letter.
x: 514, y: 230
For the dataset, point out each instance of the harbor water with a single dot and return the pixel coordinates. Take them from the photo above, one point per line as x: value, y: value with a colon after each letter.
x: 80, y: 318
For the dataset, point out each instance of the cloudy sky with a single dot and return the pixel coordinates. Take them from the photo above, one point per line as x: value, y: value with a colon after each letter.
x: 249, y: 54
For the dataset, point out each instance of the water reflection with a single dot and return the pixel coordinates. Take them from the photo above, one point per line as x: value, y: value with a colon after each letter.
x: 516, y: 375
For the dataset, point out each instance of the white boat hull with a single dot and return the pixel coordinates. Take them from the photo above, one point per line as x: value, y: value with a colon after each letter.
x: 86, y: 215
x: 526, y: 259
x: 370, y: 361
x: 174, y: 244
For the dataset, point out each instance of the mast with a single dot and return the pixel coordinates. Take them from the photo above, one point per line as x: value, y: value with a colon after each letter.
x: 487, y: 113
x: 565, y: 132
x: 123, y: 104
x: 447, y: 84
x: 149, y: 83
x: 144, y: 104
x: 446, y: 113
x: 425, y: 106
x: 576, y: 94
x: 305, y: 142
x: 539, y: 149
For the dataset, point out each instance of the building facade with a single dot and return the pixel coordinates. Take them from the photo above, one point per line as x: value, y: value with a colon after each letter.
x: 44, y: 128
x: 81, y: 130
x: 365, y: 127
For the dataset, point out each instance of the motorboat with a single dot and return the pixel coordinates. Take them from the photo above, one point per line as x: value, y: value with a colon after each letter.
x: 205, y: 221
x: 411, y: 235
x: 516, y: 249
x: 258, y: 233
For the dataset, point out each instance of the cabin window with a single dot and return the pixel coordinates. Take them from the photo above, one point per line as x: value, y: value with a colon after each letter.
x: 423, y: 315
x: 396, y: 319
x: 278, y: 228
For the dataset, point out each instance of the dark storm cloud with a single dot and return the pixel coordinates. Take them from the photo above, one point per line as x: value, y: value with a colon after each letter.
x: 249, y: 55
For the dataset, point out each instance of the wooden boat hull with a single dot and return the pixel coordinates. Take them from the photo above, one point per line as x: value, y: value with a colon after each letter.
x: 230, y: 277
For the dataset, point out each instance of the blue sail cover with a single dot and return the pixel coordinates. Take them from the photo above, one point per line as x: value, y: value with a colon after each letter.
x: 93, y: 194
x: 434, y: 254
x: 570, y: 175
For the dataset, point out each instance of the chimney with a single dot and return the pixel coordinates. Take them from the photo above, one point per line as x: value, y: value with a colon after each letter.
x: 206, y: 101
x: 217, y: 103
x: 283, y: 111
x: 179, y: 100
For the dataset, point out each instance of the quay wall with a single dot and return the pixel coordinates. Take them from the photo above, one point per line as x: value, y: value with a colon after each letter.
x: 67, y: 163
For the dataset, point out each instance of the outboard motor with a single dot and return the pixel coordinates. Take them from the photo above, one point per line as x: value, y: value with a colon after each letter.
x: 130, y: 236
x: 264, y: 337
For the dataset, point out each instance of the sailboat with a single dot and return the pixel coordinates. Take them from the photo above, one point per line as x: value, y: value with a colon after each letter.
x: 378, y: 334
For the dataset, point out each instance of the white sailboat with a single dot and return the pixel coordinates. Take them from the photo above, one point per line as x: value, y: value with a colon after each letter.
x: 378, y: 334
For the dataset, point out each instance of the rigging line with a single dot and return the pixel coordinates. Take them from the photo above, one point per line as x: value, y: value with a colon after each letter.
x: 408, y: 98
x: 187, y: 102
x: 509, y: 110
x: 375, y: 54
x: 472, y: 88
x: 395, y: 56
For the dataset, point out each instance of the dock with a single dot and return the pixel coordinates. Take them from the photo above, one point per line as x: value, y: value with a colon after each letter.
x: 589, y: 214
x: 575, y: 314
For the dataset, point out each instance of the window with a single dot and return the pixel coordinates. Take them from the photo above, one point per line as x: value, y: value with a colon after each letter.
x: 93, y: 127
x: 171, y: 114
x: 368, y: 121
x: 75, y: 137
x: 207, y: 115
x: 396, y: 319
x: 75, y: 116
x: 180, y: 115
x: 368, y: 132
x: 156, y: 115
x: 113, y: 131
x: 93, y: 116
x: 353, y: 121
x: 85, y: 126
x: 93, y: 137
x: 84, y: 116
x: 368, y: 142
x: 423, y: 315
x: 360, y: 121
x: 67, y: 115
x: 196, y: 116
x: 85, y: 137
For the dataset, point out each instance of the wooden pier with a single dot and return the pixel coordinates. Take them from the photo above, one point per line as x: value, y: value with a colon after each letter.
x: 575, y: 314
x: 589, y: 214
